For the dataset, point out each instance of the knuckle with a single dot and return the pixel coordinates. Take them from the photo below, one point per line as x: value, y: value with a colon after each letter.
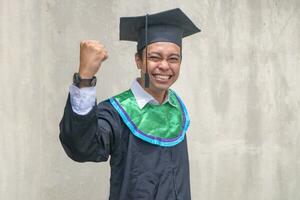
x: 82, y: 43
x: 97, y: 49
x: 105, y: 56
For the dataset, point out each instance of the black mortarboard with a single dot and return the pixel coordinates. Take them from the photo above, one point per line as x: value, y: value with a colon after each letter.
x: 167, y: 26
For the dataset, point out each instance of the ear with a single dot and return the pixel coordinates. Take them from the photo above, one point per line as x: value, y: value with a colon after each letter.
x: 138, y: 61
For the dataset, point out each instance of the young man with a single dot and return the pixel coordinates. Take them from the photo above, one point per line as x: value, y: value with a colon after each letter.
x: 142, y: 129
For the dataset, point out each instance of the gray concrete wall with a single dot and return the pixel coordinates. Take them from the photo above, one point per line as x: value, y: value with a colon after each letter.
x: 240, y: 79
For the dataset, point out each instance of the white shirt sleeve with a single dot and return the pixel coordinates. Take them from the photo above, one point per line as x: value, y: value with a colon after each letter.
x: 82, y: 99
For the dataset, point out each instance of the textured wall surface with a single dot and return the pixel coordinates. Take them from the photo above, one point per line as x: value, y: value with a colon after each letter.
x: 240, y: 79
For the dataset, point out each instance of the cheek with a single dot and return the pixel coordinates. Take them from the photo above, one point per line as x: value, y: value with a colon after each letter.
x: 152, y: 66
x: 176, y: 70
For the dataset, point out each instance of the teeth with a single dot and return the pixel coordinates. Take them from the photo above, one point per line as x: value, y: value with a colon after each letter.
x: 161, y: 77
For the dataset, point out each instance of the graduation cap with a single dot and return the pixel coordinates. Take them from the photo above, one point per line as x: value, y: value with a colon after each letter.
x: 167, y: 26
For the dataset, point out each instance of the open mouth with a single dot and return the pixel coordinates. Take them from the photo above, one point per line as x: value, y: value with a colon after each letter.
x: 162, y: 77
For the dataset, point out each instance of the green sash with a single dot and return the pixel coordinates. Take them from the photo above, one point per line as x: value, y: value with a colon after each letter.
x: 163, y: 125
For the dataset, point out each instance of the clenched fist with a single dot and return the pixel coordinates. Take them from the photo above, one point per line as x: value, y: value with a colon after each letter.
x: 92, y: 54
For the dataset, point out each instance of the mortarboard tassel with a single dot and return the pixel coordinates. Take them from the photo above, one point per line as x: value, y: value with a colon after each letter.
x: 146, y: 42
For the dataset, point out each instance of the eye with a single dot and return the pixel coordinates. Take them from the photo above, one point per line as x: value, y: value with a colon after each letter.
x: 154, y: 58
x: 173, y: 60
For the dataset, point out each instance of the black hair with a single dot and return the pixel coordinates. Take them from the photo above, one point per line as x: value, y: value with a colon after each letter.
x: 140, y: 53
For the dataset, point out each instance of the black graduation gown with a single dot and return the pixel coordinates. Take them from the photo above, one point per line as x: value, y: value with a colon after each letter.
x: 139, y: 170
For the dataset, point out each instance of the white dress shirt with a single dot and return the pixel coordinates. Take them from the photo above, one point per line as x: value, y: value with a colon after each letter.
x: 83, y: 99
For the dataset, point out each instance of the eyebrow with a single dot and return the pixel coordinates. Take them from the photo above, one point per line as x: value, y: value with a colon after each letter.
x: 174, y: 54
x: 158, y: 53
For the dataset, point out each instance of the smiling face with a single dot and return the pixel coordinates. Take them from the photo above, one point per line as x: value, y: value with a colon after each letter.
x: 164, y: 59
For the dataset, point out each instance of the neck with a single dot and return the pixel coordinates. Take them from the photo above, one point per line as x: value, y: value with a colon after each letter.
x: 157, y: 95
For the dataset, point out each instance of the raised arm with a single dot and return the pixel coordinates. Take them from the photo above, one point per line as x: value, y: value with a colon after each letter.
x: 89, y: 132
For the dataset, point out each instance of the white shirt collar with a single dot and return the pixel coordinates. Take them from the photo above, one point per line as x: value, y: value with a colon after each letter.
x: 142, y: 97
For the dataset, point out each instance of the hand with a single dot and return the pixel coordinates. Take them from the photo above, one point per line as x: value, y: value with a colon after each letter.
x: 92, y: 54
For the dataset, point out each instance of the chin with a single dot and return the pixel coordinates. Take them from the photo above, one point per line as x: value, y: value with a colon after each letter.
x: 161, y: 87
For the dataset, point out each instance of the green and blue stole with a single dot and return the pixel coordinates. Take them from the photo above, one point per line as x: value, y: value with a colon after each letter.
x: 164, y: 125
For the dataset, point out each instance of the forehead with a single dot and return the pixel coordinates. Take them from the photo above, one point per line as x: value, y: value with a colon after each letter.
x: 163, y: 47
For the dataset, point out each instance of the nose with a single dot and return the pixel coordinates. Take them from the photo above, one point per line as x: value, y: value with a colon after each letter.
x: 164, y: 65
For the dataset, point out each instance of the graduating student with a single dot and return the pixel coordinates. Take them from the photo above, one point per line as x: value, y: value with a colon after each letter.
x: 143, y: 129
